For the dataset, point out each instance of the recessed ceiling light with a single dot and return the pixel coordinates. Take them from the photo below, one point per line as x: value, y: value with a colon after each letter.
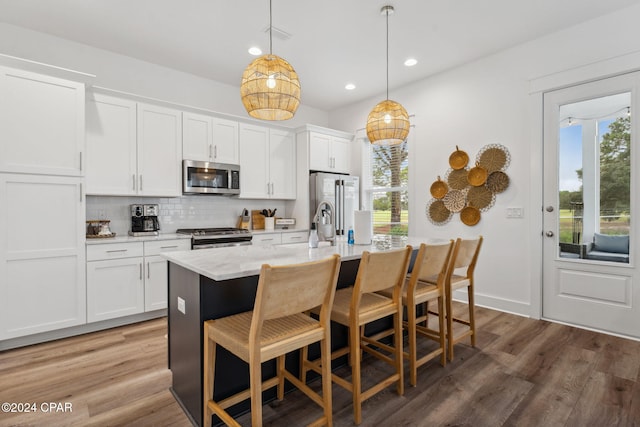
x: 410, y: 62
x: 350, y: 86
x: 255, y: 51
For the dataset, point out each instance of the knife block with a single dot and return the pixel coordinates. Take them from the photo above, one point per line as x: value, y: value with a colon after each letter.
x: 243, y: 222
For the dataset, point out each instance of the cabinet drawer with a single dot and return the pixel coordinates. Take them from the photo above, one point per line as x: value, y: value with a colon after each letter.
x: 296, y: 237
x: 266, y: 239
x: 160, y: 246
x: 114, y: 251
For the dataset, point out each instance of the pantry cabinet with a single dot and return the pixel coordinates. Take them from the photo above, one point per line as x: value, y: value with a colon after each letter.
x: 209, y: 139
x: 41, y: 124
x: 267, y: 163
x: 42, y: 257
x: 132, y: 148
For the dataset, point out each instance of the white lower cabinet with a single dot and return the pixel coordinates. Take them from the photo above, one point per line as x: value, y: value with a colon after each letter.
x: 156, y: 271
x: 115, y: 288
x: 280, y: 238
x: 128, y: 278
x: 295, y: 237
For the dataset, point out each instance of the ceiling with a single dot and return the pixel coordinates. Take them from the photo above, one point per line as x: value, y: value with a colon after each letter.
x: 332, y: 42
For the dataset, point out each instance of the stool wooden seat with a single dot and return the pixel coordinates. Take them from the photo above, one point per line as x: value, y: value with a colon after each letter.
x: 277, y: 325
x: 359, y: 305
x: 425, y: 283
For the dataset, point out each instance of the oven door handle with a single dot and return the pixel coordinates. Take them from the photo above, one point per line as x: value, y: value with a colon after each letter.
x: 220, y: 245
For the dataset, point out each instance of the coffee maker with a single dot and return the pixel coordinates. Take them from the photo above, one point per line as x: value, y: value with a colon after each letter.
x: 144, y: 220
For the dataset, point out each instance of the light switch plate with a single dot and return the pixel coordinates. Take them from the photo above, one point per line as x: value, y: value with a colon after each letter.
x: 181, y: 306
x: 516, y: 212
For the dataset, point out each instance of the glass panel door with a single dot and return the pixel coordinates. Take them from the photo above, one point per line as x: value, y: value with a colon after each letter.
x: 594, y: 162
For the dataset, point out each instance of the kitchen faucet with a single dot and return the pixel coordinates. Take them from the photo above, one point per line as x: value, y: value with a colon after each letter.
x: 326, y: 231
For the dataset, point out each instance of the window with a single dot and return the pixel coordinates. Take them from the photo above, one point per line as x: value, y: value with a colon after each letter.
x: 594, y: 174
x: 385, y: 182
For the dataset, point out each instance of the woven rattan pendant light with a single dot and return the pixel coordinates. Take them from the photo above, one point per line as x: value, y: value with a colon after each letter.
x: 270, y: 89
x: 388, y: 122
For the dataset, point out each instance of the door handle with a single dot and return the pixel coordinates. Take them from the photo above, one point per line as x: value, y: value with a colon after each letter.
x: 549, y: 208
x: 549, y: 233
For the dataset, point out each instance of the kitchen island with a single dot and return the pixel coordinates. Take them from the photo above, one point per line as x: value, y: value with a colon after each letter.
x: 213, y: 283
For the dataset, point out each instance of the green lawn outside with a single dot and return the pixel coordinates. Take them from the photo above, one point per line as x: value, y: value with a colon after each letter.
x: 617, y: 226
x: 381, y: 220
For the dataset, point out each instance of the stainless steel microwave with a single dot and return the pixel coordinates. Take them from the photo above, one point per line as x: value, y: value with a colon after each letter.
x: 210, y: 178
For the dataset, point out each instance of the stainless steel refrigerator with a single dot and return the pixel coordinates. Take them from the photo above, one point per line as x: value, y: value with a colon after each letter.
x: 343, y: 191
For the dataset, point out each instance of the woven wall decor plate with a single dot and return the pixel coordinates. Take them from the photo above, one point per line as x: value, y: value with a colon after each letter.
x: 458, y: 159
x: 477, y: 175
x: 455, y: 200
x: 457, y: 179
x: 437, y: 212
x: 439, y: 188
x: 493, y: 157
x: 470, y: 216
x: 481, y: 198
x: 497, y: 182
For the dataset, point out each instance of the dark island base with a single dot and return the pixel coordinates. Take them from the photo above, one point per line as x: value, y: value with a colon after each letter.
x: 206, y: 299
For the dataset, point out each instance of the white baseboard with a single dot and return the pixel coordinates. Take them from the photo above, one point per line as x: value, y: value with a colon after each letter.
x: 500, y: 304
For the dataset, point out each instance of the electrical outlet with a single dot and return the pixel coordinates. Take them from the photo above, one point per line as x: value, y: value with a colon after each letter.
x: 181, y: 306
x: 515, y: 212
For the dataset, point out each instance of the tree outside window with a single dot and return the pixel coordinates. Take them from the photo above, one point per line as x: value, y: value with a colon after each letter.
x: 389, y: 191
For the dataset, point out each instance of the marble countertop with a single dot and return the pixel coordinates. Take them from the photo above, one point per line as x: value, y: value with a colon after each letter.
x: 242, y: 261
x: 127, y: 239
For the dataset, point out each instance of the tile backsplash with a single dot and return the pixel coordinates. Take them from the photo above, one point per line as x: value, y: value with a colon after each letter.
x: 178, y: 212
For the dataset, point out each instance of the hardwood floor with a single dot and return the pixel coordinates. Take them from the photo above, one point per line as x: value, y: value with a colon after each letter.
x: 523, y: 372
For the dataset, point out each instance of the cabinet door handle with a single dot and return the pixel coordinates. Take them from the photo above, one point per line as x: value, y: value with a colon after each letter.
x: 295, y: 237
x: 80, y: 192
x: 215, y: 151
x: 168, y: 247
x: 140, y: 182
x: 134, y: 182
x: 267, y: 240
x: 81, y: 161
x: 117, y: 250
x: 148, y: 271
x: 140, y: 271
x: 210, y: 151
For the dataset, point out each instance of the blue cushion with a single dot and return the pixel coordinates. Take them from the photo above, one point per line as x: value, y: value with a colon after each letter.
x: 615, y: 244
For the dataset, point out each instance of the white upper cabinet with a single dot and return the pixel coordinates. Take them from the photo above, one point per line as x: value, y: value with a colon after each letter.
x: 282, y: 164
x: 267, y: 163
x: 225, y: 141
x: 41, y: 124
x: 159, y: 151
x: 111, y: 145
x: 132, y: 148
x: 328, y: 153
x: 209, y: 139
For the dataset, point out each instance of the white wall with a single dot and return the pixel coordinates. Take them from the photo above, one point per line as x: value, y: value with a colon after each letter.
x: 131, y: 75
x: 488, y: 101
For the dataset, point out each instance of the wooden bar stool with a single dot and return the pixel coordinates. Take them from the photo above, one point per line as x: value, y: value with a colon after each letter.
x: 459, y: 276
x: 359, y: 305
x: 425, y: 283
x: 277, y: 325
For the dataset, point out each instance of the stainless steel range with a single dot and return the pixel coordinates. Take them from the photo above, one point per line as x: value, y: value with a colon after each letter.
x: 204, y: 238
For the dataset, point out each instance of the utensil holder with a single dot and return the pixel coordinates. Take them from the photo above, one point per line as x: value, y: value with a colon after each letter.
x: 269, y: 223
